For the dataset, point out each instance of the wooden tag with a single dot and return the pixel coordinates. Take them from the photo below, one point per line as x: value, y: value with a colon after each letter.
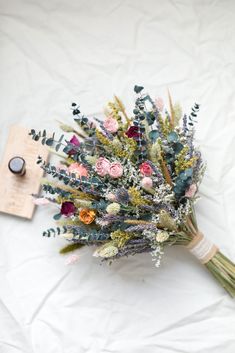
x: 15, y: 191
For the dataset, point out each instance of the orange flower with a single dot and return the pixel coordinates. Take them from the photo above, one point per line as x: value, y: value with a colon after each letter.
x: 86, y: 215
x: 78, y: 169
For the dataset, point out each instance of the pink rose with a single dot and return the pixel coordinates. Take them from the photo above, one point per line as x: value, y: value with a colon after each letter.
x: 116, y: 170
x: 159, y: 104
x: 78, y: 169
x: 146, y: 169
x: 111, y: 125
x: 102, y: 166
x: 147, y: 183
x: 191, y: 190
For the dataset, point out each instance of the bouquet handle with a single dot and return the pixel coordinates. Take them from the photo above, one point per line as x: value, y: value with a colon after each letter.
x: 218, y: 264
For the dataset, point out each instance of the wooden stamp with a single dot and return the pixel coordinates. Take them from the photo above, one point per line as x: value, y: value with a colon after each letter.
x: 17, y: 185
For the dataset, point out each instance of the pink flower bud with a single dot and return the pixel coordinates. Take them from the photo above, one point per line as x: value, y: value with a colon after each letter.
x: 72, y: 259
x: 111, y: 197
x: 147, y: 183
x: 191, y: 191
x: 159, y: 103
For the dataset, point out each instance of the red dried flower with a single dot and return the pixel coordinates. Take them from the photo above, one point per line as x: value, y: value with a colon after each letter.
x: 132, y: 132
x: 67, y: 208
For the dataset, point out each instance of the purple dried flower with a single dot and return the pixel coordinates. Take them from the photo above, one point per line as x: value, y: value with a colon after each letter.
x: 122, y: 196
x: 74, y: 141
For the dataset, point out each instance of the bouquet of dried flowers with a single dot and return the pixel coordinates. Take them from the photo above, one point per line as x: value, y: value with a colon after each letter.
x: 128, y: 185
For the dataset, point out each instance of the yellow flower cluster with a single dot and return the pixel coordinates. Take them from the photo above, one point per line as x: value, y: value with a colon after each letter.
x: 181, y: 163
x: 115, y: 111
x: 136, y: 198
x: 165, y: 125
x: 155, y: 152
x: 104, y: 140
x: 181, y: 159
x: 120, y: 237
x: 117, y: 148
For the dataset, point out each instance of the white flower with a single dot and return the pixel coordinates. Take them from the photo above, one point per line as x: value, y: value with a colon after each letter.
x: 162, y: 236
x: 91, y: 159
x: 113, y: 208
x: 106, y: 250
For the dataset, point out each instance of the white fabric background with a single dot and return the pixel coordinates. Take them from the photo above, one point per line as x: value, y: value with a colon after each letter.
x: 55, y: 52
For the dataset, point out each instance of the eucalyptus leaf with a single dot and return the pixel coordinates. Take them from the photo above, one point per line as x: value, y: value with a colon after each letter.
x: 153, y: 135
x: 57, y: 216
x: 172, y: 137
x: 138, y: 89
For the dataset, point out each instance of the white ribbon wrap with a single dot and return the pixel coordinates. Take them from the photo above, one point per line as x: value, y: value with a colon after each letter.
x: 202, y: 248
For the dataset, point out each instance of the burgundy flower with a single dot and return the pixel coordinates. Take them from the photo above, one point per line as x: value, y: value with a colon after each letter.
x: 132, y: 132
x: 67, y: 208
x: 74, y: 140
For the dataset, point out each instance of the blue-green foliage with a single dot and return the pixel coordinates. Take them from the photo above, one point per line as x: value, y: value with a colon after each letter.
x: 172, y: 137
x: 56, y: 190
x: 82, y: 121
x: 82, y: 233
x: 70, y: 179
x: 193, y: 115
x: 153, y: 135
x: 182, y: 182
x: 47, y: 140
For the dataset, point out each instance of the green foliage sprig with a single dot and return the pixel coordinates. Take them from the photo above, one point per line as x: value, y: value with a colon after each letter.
x: 193, y: 115
x: 69, y: 179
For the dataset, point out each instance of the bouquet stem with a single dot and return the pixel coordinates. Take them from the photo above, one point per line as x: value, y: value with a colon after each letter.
x: 224, y: 271
x: 209, y: 255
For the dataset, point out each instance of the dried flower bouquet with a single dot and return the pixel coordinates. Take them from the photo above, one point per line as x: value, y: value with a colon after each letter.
x: 128, y: 185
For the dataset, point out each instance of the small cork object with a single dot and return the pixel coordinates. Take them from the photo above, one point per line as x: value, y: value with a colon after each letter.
x: 19, y: 174
x: 202, y: 248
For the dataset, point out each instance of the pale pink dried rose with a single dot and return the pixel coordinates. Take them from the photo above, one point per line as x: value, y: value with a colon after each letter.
x: 111, y: 197
x: 41, y: 201
x: 191, y: 191
x: 102, y: 166
x: 159, y: 103
x: 72, y: 259
x: 116, y: 170
x: 111, y: 124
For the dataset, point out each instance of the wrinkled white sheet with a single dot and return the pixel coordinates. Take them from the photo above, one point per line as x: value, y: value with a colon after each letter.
x: 55, y: 52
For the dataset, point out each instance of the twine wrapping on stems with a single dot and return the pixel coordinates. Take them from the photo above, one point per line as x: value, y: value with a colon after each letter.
x: 203, y: 249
